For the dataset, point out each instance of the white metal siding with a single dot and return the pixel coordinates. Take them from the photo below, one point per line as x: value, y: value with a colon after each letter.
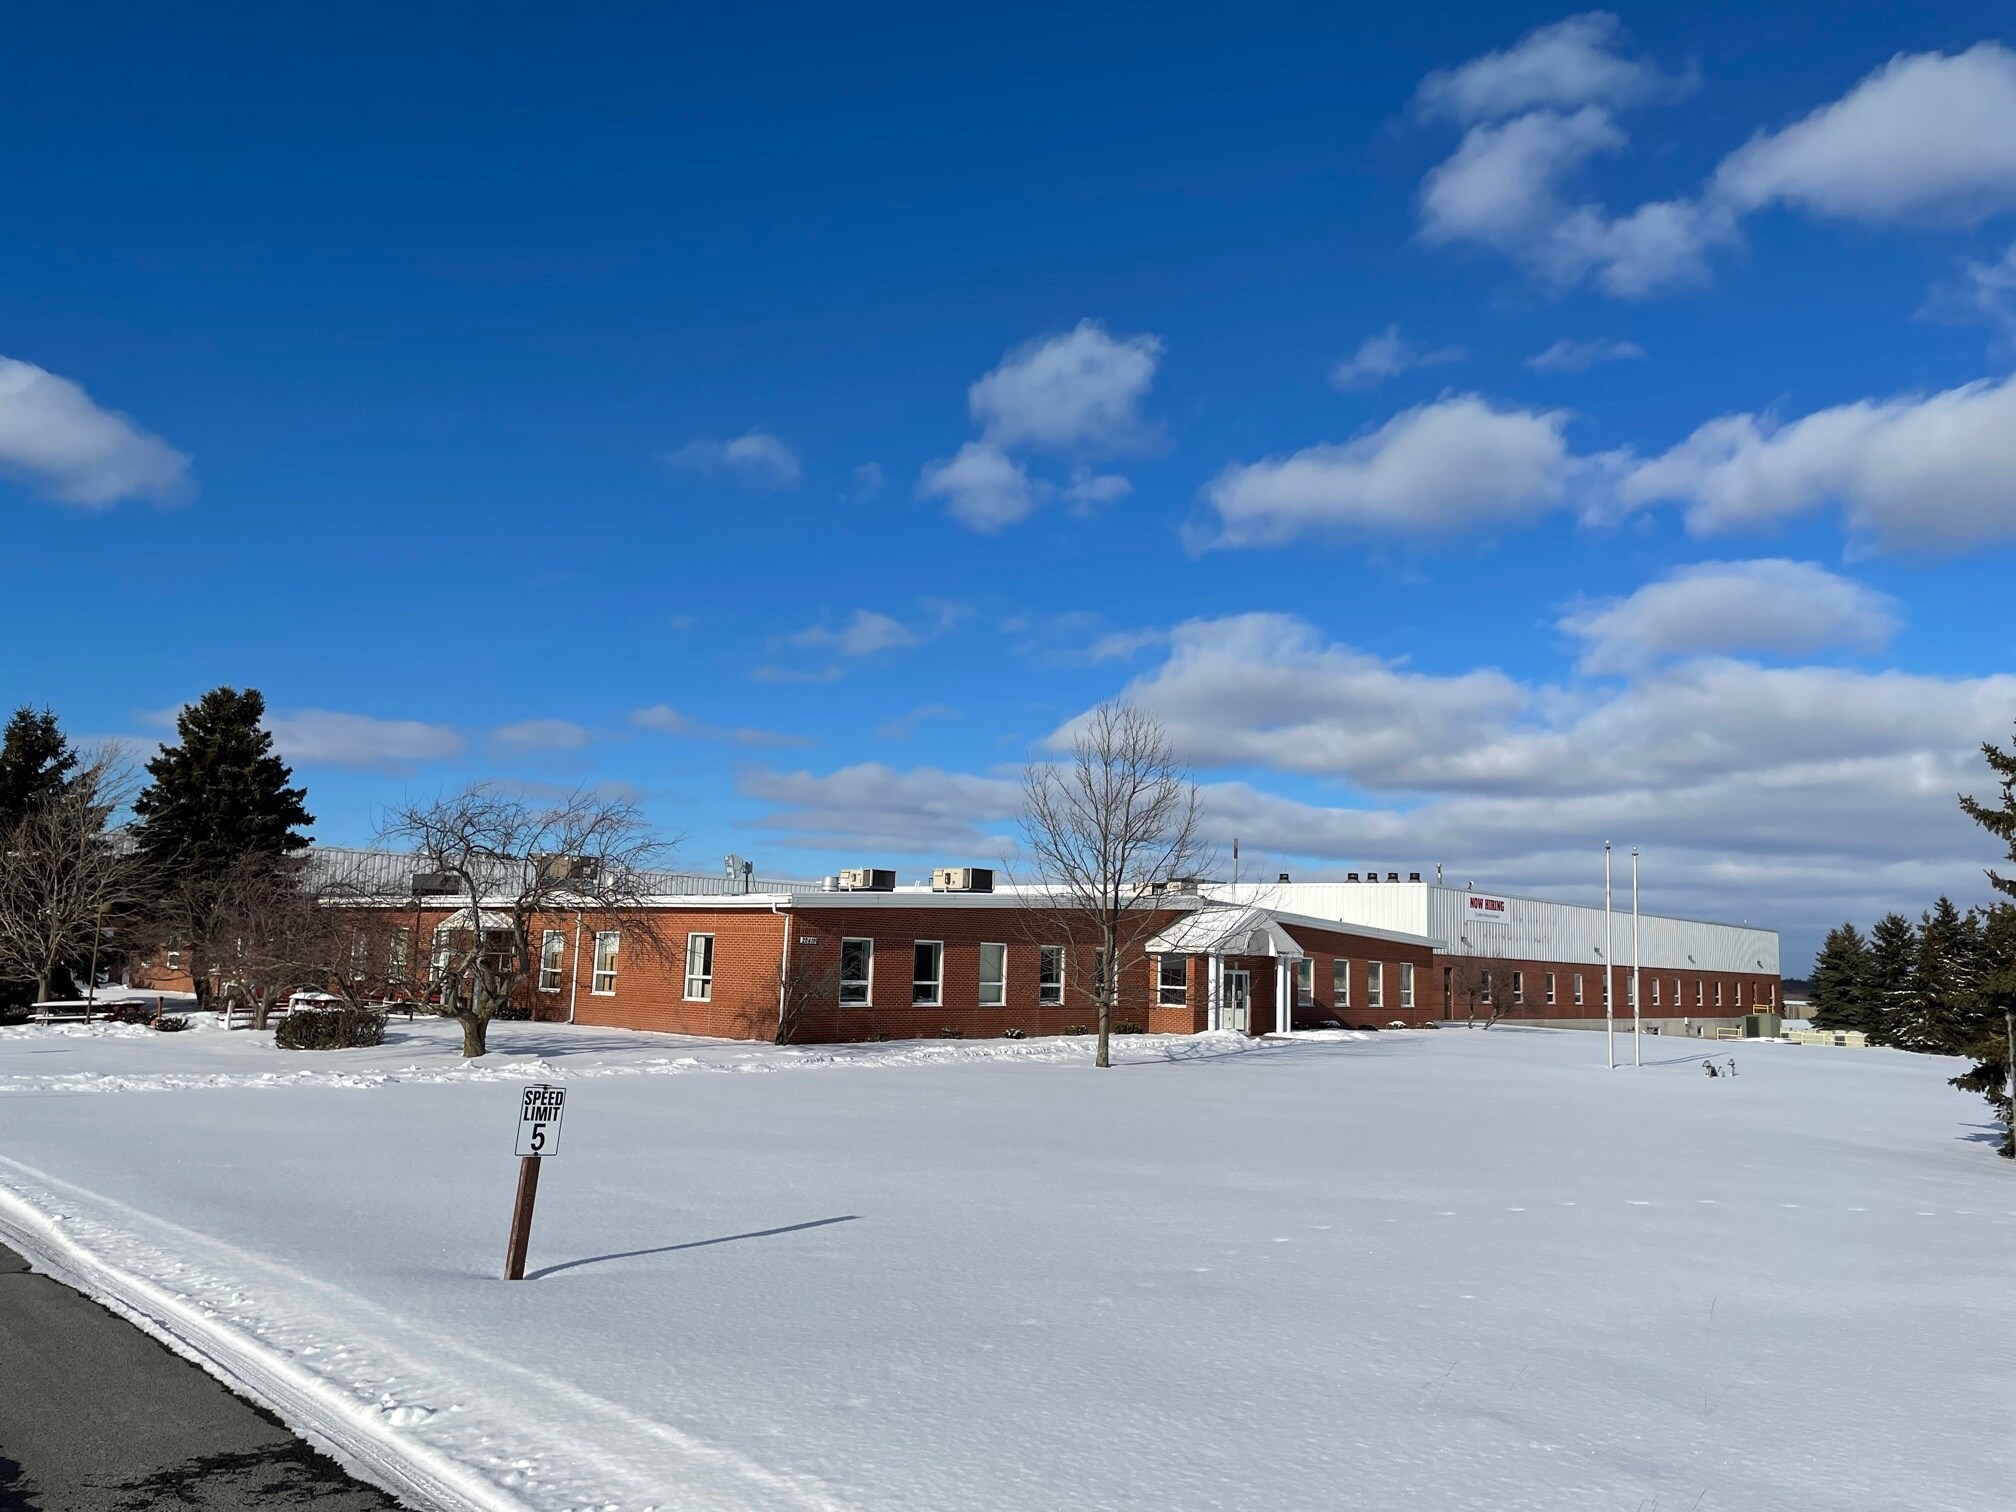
x: 1532, y: 930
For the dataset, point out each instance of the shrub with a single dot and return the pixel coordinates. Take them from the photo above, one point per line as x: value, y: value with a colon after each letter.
x: 330, y: 1029
x: 170, y: 1023
x: 879, y: 1037
x: 1128, y: 1026
x: 951, y: 1034
x: 1014, y: 1034
x: 1076, y: 1029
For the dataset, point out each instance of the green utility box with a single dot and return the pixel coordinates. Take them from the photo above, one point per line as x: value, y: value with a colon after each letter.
x: 1762, y: 1025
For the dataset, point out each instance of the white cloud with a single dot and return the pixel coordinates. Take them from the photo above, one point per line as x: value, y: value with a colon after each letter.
x: 983, y: 487
x: 1990, y: 291
x: 52, y: 433
x: 1077, y: 392
x: 1089, y: 489
x: 1931, y: 471
x: 1926, y: 135
x: 542, y: 735
x: 1569, y: 356
x: 1502, y: 186
x: 756, y: 462
x: 863, y: 633
x: 904, y: 726
x: 867, y: 483
x: 321, y: 737
x: 1458, y: 461
x: 873, y: 808
x: 1721, y: 608
x: 667, y: 720
x: 1571, y: 62
x: 1387, y: 355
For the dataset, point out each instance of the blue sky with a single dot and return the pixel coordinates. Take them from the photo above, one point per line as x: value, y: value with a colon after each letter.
x: 800, y: 416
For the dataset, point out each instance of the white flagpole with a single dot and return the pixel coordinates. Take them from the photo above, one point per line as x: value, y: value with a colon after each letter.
x: 1637, y: 1002
x: 1609, y: 1008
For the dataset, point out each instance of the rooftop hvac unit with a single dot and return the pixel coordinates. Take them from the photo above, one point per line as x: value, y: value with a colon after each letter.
x: 1351, y: 876
x: 435, y: 882
x: 969, y: 879
x: 867, y: 879
x: 1283, y: 877
x: 1392, y: 876
x: 568, y: 868
x: 1413, y: 876
x: 1173, y: 887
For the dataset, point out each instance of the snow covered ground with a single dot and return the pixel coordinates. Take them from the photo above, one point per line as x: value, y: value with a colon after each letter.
x: 1446, y: 1270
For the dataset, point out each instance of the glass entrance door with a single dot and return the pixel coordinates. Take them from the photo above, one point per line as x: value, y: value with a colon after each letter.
x: 1238, y: 1000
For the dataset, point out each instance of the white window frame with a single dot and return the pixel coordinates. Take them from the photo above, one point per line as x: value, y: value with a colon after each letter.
x: 935, y: 982
x: 1375, y: 984
x: 1340, y: 982
x: 1484, y: 986
x: 700, y: 981
x: 1718, y: 992
x: 398, y: 950
x: 1578, y: 989
x: 1305, y: 982
x: 863, y: 984
x: 1550, y: 989
x: 552, y: 953
x: 360, y: 956
x: 1518, y: 989
x: 602, y: 973
x: 1000, y: 982
x: 1406, y: 984
x: 1697, y: 992
x: 1172, y: 994
x: 172, y: 961
x: 442, y: 953
x: 1655, y: 992
x: 1049, y: 992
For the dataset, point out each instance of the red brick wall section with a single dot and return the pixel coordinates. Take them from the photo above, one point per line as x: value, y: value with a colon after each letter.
x: 1327, y: 946
x: 1742, y: 992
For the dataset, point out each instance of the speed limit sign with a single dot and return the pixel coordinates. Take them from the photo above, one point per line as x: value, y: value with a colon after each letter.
x: 539, y: 1111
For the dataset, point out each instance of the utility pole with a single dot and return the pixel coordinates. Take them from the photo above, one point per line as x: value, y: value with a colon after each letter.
x: 1637, y: 1002
x: 1609, y: 976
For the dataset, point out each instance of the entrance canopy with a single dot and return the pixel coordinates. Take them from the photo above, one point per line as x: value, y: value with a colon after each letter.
x: 490, y: 919
x: 1234, y: 931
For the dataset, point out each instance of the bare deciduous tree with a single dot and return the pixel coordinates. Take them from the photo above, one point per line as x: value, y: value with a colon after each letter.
x: 513, y: 861
x: 1103, y: 829
x: 277, y: 924
x: 1472, y: 985
x: 64, y: 878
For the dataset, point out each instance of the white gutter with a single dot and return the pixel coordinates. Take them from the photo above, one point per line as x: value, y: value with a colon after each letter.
x: 783, y: 911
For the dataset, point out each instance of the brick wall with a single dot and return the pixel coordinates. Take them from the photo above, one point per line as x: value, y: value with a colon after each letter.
x: 1741, y: 992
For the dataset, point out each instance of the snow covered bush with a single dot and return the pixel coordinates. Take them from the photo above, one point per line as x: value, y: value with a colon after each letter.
x: 1014, y: 1034
x: 1128, y: 1026
x: 330, y: 1029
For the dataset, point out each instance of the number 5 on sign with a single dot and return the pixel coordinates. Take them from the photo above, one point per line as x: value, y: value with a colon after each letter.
x: 539, y: 1111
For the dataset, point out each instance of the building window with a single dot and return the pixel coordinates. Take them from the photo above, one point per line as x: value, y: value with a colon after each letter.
x: 993, y: 975
x: 603, y: 982
x: 444, y: 952
x: 1172, y: 981
x: 927, y: 974
x: 396, y: 947
x: 1655, y: 992
x: 1099, y: 973
x: 699, y: 968
x: 1518, y: 988
x: 1550, y: 989
x: 1484, y: 985
x: 1406, y: 984
x: 360, y: 956
x: 1770, y: 994
x: 1718, y: 992
x: 174, y: 960
x: 857, y: 972
x: 1578, y: 989
x: 1631, y: 991
x: 552, y: 944
x: 1697, y: 992
x: 1340, y: 982
x: 1305, y: 983
x: 1050, y: 976
x: 1375, y: 986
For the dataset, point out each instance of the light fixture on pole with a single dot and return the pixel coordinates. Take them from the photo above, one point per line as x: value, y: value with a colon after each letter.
x: 1637, y: 1002
x: 1609, y: 973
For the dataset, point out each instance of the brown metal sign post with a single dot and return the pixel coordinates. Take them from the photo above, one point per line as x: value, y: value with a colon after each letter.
x: 539, y: 1111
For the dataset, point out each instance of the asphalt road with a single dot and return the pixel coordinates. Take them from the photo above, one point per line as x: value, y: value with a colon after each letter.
x: 95, y: 1416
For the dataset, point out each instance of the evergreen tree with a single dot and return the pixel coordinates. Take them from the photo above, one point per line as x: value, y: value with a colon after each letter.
x: 219, y: 794
x: 1937, y: 1020
x: 1996, y: 993
x: 1837, y: 980
x: 35, y: 761
x: 1890, y: 984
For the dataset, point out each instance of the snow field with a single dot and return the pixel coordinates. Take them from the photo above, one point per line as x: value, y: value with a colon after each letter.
x: 1435, y: 1270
